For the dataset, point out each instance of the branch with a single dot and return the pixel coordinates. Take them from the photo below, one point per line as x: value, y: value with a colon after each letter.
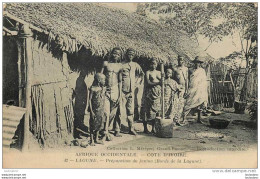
x: 208, y: 46
x: 241, y: 42
x: 231, y: 79
x: 196, y: 38
x: 246, y: 48
x: 250, y: 47
x: 248, y: 52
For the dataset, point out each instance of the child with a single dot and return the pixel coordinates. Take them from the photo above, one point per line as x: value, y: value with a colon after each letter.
x: 96, y: 106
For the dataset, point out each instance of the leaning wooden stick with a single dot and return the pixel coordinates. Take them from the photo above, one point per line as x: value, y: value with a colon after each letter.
x: 162, y: 76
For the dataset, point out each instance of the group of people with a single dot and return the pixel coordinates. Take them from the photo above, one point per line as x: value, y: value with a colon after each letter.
x: 119, y: 88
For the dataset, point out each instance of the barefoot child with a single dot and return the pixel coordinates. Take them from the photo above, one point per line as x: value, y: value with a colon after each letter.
x: 96, y: 105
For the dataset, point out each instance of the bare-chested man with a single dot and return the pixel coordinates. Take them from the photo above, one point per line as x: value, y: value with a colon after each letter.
x: 132, y: 75
x: 181, y: 75
x: 112, y: 70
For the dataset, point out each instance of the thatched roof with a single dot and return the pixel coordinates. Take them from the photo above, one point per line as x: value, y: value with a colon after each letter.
x: 99, y: 29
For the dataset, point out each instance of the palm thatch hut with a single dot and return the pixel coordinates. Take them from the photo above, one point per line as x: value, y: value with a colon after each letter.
x: 49, y: 45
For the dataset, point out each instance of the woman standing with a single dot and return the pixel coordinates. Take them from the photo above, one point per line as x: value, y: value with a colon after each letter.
x: 153, y: 95
x: 173, y: 100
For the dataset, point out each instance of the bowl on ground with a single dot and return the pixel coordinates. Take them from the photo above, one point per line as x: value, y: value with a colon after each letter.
x: 219, y: 123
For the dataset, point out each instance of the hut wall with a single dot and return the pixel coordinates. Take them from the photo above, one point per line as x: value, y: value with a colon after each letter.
x: 252, y: 85
x: 84, y: 67
x: 81, y: 84
x: 52, y: 109
x: 223, y: 92
x: 221, y: 89
x: 10, y: 70
x: 250, y: 82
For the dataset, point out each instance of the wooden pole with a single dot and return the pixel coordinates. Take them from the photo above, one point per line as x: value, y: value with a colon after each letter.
x: 162, y: 74
x: 19, y: 63
x: 26, y: 35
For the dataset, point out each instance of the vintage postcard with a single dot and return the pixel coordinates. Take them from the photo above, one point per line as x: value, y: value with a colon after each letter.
x: 130, y: 85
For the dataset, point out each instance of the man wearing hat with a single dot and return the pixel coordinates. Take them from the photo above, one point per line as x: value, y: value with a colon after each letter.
x: 197, y: 94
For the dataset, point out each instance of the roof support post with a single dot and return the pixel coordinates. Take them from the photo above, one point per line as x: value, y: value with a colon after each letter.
x: 21, y: 71
x: 25, y: 76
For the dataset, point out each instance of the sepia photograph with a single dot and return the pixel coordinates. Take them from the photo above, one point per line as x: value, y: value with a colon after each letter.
x: 130, y: 85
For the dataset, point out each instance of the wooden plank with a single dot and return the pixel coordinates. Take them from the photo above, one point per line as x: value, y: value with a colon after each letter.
x: 21, y: 21
x: 9, y: 130
x: 9, y: 31
x: 6, y: 143
x: 225, y: 81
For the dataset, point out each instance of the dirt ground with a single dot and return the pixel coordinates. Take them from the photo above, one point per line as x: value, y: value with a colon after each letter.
x: 191, y: 137
x: 200, y: 143
x: 195, y: 136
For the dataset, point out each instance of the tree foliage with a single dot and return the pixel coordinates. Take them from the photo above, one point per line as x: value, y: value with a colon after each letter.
x: 211, y: 20
x: 189, y: 17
